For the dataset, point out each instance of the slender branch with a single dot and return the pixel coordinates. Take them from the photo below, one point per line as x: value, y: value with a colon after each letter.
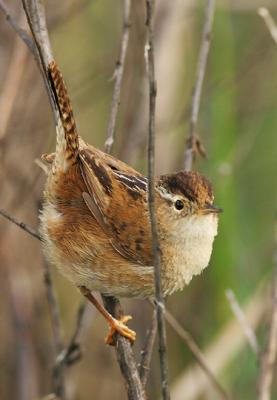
x: 125, y: 356
x: 196, y: 351
x: 246, y: 328
x: 21, y: 225
x: 118, y: 74
x: 269, y: 356
x: 72, y: 352
x: 193, y: 144
x: 151, y: 198
x: 55, y: 317
x: 146, y: 352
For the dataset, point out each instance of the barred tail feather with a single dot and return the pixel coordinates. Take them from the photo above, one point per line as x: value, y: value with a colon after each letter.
x: 67, y: 145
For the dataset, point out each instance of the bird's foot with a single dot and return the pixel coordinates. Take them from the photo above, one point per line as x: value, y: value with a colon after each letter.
x: 118, y: 325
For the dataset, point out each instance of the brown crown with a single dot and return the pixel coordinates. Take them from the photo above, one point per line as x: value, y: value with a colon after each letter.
x: 192, y: 185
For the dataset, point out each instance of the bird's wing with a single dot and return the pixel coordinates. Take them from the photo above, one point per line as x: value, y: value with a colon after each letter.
x: 117, y: 197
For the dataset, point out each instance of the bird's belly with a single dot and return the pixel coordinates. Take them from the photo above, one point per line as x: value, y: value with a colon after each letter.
x: 84, y: 255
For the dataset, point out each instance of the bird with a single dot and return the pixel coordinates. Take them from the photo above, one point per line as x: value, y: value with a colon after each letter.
x: 95, y: 223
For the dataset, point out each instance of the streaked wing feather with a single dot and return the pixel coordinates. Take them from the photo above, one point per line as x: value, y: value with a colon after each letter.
x: 118, y: 201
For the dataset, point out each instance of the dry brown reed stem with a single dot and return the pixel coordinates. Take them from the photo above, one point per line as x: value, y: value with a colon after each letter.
x: 193, y: 144
x: 151, y: 198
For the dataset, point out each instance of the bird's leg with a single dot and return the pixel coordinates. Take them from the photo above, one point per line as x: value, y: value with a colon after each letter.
x: 116, y: 325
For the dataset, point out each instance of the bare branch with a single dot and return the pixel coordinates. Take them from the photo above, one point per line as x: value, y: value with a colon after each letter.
x: 72, y: 352
x: 269, y: 21
x: 21, y: 225
x: 57, y: 375
x: 193, y: 144
x: 196, y: 351
x: 118, y: 74
x: 146, y: 352
x: 125, y: 356
x: 150, y: 64
x: 246, y: 328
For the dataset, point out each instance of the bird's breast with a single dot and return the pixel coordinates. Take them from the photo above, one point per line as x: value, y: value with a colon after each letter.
x: 187, y: 250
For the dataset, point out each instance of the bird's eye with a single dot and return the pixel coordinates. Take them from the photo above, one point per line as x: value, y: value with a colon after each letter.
x: 179, y: 205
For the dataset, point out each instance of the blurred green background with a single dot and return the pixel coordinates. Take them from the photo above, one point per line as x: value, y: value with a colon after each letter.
x: 237, y: 123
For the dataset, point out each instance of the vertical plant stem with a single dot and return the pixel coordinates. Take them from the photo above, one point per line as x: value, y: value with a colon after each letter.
x: 151, y: 200
x: 192, y: 144
x: 118, y: 74
x: 146, y: 353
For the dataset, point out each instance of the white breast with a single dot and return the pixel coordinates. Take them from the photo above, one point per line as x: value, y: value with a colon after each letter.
x: 191, y: 248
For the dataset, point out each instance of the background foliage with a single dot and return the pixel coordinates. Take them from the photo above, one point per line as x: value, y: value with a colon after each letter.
x: 238, y: 126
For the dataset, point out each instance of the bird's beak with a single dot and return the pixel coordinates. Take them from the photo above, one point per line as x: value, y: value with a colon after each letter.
x: 211, y: 209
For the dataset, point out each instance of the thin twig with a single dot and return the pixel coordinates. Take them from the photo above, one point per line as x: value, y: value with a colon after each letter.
x: 269, y: 21
x: 193, y: 143
x: 151, y: 198
x: 146, y: 352
x: 196, y: 351
x: 21, y: 225
x: 72, y: 352
x: 118, y: 74
x: 55, y: 317
x: 269, y: 356
x: 246, y: 328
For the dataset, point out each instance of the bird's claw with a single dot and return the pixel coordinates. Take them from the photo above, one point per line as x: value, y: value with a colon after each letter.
x: 118, y: 325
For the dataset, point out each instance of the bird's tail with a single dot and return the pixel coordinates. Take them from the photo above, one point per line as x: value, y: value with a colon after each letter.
x: 67, y: 145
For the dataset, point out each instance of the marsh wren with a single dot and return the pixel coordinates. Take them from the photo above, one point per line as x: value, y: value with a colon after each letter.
x: 95, y: 219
